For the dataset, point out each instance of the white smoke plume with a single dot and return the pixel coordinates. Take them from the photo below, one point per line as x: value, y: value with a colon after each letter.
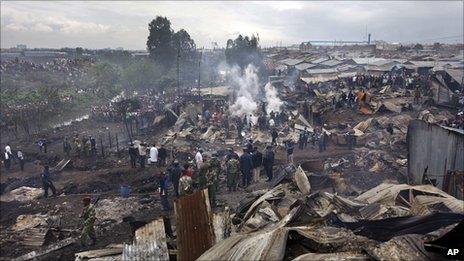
x: 274, y: 103
x: 246, y: 87
x: 247, y: 92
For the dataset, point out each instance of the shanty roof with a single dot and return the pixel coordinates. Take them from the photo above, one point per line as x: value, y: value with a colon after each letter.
x: 331, y: 63
x: 291, y: 61
x: 370, y: 60
x: 346, y: 67
x: 457, y: 75
x: 320, y: 60
x: 385, y: 68
x: 321, y: 71
x: 304, y: 66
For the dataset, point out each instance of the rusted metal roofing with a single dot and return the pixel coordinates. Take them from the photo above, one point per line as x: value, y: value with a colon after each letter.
x: 195, y: 233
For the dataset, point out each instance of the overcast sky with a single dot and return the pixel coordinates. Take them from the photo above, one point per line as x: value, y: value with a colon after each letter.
x: 124, y: 24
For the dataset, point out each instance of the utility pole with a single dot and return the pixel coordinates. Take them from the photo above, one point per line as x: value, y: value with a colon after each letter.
x: 178, y: 71
x: 199, y: 69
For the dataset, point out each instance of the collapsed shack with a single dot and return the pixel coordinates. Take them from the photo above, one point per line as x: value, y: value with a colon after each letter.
x: 295, y: 220
x: 436, y: 156
x: 390, y: 221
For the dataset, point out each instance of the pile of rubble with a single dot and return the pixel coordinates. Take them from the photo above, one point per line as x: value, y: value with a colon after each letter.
x: 294, y: 219
x: 390, y: 221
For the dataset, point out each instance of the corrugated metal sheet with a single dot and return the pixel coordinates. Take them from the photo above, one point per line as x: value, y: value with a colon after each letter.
x: 149, y: 251
x: 433, y: 150
x: 149, y: 244
x: 194, y: 223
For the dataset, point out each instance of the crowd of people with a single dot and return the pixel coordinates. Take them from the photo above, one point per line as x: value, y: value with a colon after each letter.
x: 65, y: 66
x: 203, y: 170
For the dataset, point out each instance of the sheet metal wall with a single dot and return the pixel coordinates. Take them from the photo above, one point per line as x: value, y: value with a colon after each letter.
x: 194, y: 224
x: 438, y: 148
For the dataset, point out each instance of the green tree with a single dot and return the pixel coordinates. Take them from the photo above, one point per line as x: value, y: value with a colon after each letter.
x: 159, y: 42
x: 418, y: 47
x: 105, y: 79
x: 141, y: 74
x: 243, y: 51
x: 437, y: 46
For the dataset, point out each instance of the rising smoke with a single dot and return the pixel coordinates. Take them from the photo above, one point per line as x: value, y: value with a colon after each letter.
x: 274, y: 103
x: 248, y: 93
x: 246, y: 87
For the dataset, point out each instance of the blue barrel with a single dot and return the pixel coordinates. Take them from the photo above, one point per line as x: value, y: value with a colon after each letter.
x: 125, y: 191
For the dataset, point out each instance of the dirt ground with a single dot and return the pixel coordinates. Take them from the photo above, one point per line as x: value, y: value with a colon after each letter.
x: 102, y: 178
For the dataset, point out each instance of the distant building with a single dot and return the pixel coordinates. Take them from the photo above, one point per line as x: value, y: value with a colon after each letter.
x: 48, y: 54
x: 21, y: 46
x: 140, y: 54
x: 305, y: 47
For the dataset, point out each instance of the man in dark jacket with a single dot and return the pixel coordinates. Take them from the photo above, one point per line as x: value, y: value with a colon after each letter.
x: 46, y: 182
x: 289, y: 148
x: 274, y: 136
x: 257, y: 158
x: 175, y: 172
x: 133, y: 153
x: 268, y: 162
x: 162, y: 154
x: 246, y: 165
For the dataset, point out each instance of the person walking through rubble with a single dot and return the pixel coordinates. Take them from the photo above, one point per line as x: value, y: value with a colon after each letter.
x: 417, y: 95
x: 301, y: 140
x: 257, y: 158
x: 232, y: 169
x: 21, y: 159
x: 289, y: 147
x: 7, y: 160
x: 88, y: 215
x: 246, y: 165
x: 47, y: 183
x: 274, y: 136
x: 133, y: 155
x: 186, y: 182
x: 163, y: 190
x: 268, y: 162
x: 162, y: 154
x: 77, y: 146
x: 174, y: 174
x: 66, y: 146
x: 199, y: 158
x: 212, y: 178
x: 231, y: 154
x: 142, y: 154
x: 153, y: 155
x: 93, y: 146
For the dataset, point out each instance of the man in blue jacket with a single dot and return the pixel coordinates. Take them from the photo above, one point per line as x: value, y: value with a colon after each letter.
x: 246, y: 166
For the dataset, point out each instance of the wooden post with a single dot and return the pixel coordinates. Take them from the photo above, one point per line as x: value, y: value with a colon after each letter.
x: 117, y: 144
x: 101, y: 145
x: 109, y: 139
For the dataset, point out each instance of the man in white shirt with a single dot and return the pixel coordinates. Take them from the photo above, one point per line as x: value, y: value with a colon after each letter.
x: 153, y: 154
x: 199, y: 158
x: 7, y: 160
x: 8, y: 149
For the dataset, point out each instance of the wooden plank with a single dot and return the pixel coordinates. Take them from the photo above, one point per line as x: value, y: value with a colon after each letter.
x: 49, y: 249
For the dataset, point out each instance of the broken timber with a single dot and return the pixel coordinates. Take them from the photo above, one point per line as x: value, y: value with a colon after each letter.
x: 49, y: 249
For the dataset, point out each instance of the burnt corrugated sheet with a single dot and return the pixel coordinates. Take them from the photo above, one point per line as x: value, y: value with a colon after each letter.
x: 150, y: 243
x: 195, y: 232
x: 433, y: 151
